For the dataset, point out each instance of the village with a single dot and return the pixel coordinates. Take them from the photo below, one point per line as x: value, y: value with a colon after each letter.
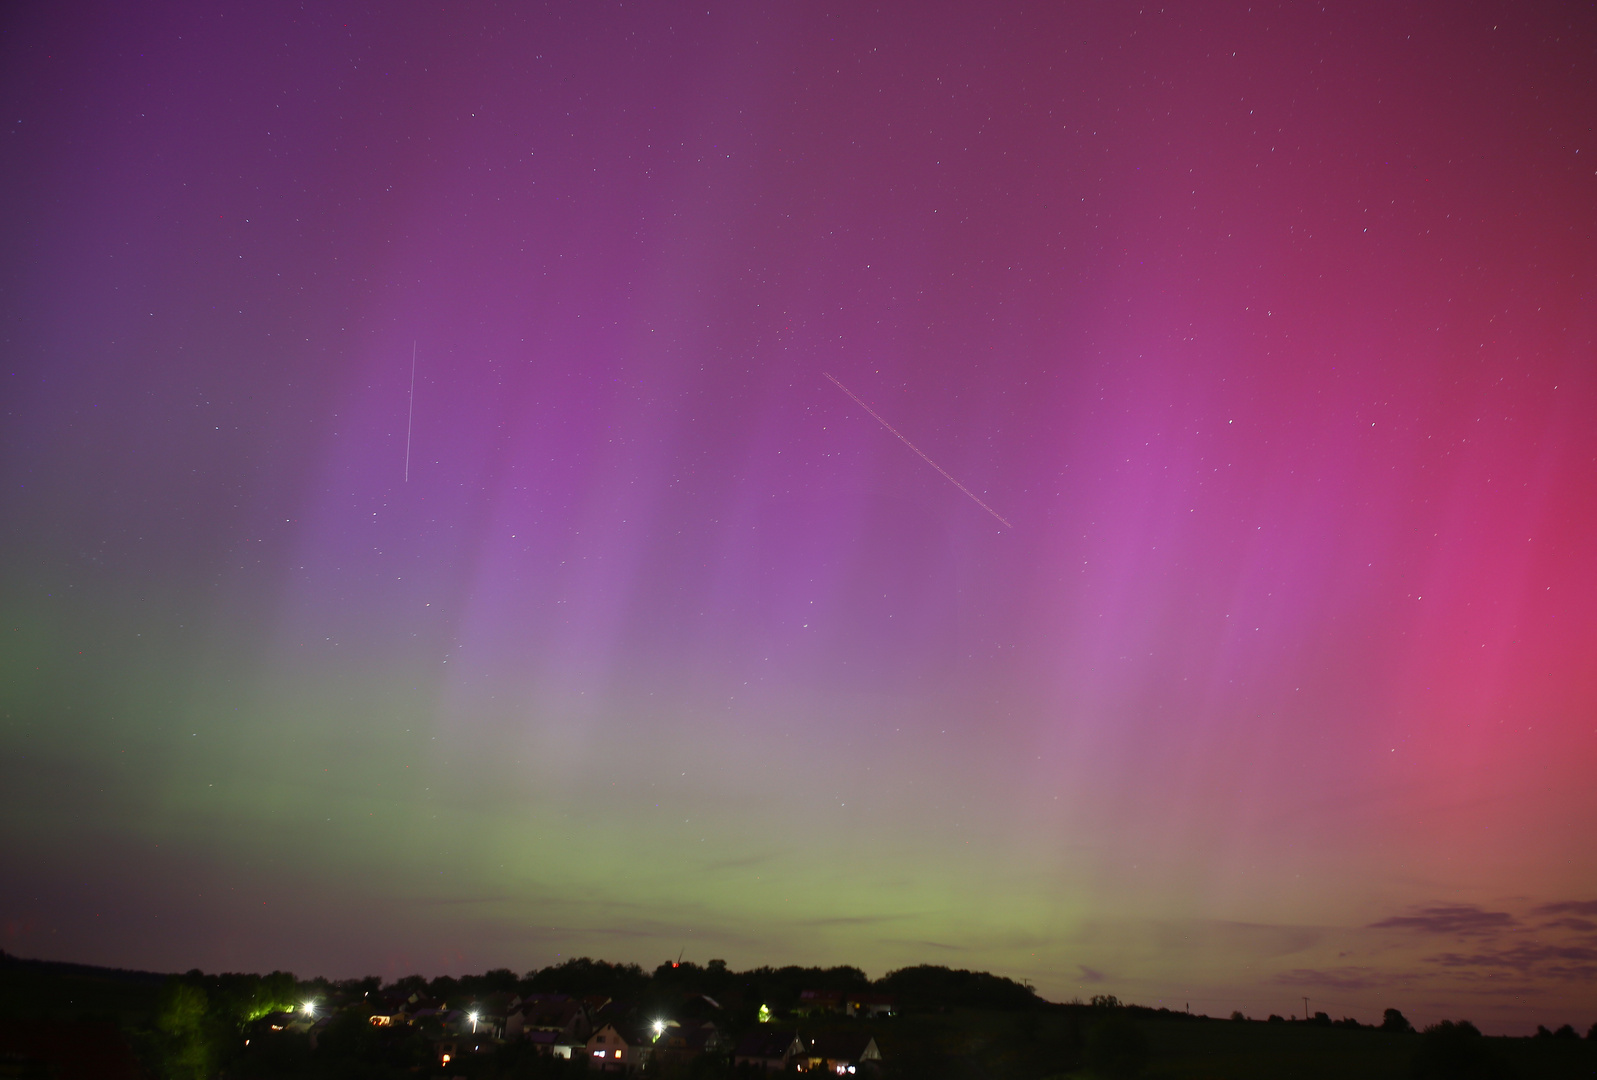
x: 825, y: 1031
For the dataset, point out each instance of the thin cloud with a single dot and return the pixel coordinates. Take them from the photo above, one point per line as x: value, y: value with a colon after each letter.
x: 1567, y: 907
x: 849, y: 920
x: 1575, y: 962
x: 927, y: 944
x: 1582, y: 925
x: 740, y: 863
x: 1458, y: 919
x: 1088, y: 975
x: 1343, y: 978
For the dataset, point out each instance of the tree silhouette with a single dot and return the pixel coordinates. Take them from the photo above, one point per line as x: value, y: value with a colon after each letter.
x: 928, y: 985
x: 1396, y: 1021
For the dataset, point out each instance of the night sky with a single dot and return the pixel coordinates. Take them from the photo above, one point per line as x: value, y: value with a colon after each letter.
x: 1270, y: 331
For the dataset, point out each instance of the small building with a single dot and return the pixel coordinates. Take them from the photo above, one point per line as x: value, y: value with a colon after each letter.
x: 681, y: 1043
x: 819, y: 1002
x: 316, y: 1030
x: 619, y: 1047
x: 551, y: 1044
x: 474, y: 1022
x: 282, y: 1021
x: 868, y: 1005
x: 769, y: 1049
x: 555, y: 1013
x: 427, y: 1015
x: 842, y: 1053
x: 396, y: 1010
x: 448, y: 1048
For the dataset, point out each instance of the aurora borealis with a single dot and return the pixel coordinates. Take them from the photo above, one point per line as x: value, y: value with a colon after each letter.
x: 1270, y: 329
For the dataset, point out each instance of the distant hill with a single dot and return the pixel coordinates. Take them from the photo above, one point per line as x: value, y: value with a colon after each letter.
x: 45, y: 989
x: 63, y: 968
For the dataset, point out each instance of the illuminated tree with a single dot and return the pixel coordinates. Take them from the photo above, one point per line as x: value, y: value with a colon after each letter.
x: 181, y: 1019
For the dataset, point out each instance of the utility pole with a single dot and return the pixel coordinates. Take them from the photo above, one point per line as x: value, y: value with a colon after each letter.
x: 1305, y: 1009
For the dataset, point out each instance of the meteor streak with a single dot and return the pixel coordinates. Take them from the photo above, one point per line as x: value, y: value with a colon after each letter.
x: 410, y: 421
x: 900, y: 437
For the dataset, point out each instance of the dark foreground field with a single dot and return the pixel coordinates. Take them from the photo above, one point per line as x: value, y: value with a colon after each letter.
x: 63, y: 1022
x: 972, y: 1044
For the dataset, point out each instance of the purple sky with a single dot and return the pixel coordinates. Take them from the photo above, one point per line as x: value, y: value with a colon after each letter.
x: 1269, y: 329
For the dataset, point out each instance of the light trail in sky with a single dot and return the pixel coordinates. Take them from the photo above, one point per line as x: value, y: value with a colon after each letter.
x: 900, y: 436
x: 410, y: 420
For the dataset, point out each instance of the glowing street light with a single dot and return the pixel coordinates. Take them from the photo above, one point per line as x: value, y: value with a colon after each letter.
x: 659, y: 1029
x: 309, y: 1008
x: 473, y: 1023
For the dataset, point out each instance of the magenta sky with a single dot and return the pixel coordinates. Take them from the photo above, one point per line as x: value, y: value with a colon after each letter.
x: 1269, y: 328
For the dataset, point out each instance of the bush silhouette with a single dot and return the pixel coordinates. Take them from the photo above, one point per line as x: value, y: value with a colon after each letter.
x: 1450, y: 1051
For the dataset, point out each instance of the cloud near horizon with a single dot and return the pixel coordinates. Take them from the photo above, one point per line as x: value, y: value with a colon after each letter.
x: 1463, y: 920
x: 1346, y: 978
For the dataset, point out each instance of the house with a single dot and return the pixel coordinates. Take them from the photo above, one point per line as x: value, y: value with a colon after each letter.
x: 619, y: 1047
x: 843, y: 1053
x: 395, y: 1010
x: 317, y: 1029
x: 499, y: 1003
x: 868, y: 1005
x: 769, y: 1049
x: 552, y: 1044
x: 281, y: 1021
x: 388, y: 1011
x: 609, y: 1011
x: 474, y: 1021
x: 426, y: 1016
x: 816, y: 1002
x: 680, y: 1043
x: 555, y: 1013
x: 447, y: 1048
